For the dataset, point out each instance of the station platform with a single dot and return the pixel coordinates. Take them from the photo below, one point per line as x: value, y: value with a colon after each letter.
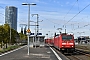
x: 38, y: 53
x: 42, y: 53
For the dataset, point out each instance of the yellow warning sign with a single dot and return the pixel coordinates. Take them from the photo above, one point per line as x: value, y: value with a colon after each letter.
x: 28, y: 31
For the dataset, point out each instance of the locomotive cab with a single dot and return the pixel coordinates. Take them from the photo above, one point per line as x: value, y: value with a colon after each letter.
x: 67, y: 42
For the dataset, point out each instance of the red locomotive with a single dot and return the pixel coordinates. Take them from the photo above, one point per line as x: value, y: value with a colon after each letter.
x: 63, y: 42
x: 48, y: 41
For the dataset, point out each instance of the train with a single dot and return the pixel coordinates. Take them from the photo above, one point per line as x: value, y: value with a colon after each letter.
x: 63, y: 42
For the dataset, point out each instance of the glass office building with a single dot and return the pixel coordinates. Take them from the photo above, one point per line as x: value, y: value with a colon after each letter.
x: 11, y: 16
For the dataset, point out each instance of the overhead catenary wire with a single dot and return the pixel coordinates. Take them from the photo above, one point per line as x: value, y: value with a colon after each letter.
x: 77, y: 14
x: 69, y: 10
x: 82, y: 26
x: 64, y: 16
x: 49, y: 20
x: 78, y: 5
x: 1, y: 7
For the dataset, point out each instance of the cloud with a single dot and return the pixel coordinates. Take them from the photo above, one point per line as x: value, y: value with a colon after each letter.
x: 61, y: 5
x: 54, y: 1
x: 9, y: 2
x: 67, y: 3
x: 49, y: 13
x: 39, y: 1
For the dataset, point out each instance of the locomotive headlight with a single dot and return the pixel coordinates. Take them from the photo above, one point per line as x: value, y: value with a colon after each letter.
x: 63, y: 43
x: 71, y: 43
x: 72, y: 46
x: 62, y: 46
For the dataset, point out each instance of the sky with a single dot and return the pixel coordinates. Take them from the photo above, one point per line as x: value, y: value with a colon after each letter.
x: 72, y: 15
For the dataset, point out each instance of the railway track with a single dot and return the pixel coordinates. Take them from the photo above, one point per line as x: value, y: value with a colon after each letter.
x: 63, y: 57
x: 78, y: 55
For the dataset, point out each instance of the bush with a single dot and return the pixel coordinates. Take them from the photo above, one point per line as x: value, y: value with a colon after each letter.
x: 8, y: 49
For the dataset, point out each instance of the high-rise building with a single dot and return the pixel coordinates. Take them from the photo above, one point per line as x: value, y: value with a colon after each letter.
x: 11, y: 16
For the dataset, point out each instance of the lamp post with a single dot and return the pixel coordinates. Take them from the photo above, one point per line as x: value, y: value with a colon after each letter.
x: 10, y: 32
x: 28, y: 21
x: 35, y: 34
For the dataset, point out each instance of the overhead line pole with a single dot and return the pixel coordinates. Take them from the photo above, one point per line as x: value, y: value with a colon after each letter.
x: 37, y: 22
x: 28, y: 30
x: 36, y: 33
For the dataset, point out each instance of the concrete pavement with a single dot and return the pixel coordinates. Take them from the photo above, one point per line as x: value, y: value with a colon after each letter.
x: 39, y: 53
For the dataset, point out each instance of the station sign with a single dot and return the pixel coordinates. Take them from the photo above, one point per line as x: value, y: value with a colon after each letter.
x: 31, y: 33
x: 28, y: 31
x: 39, y: 33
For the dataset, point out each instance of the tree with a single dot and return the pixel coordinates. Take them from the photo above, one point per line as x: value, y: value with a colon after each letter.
x: 13, y: 36
x: 7, y: 35
x: 2, y: 32
x: 23, y: 37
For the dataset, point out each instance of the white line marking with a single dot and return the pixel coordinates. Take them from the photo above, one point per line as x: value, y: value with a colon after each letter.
x: 56, y: 54
x: 12, y: 51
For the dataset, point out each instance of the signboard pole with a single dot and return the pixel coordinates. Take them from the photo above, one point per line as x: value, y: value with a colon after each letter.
x: 28, y: 43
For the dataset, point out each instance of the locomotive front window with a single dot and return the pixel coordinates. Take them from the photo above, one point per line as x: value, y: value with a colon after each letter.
x: 68, y: 37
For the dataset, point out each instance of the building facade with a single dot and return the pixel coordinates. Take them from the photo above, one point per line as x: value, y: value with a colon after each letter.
x: 11, y: 16
x: 37, y: 41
